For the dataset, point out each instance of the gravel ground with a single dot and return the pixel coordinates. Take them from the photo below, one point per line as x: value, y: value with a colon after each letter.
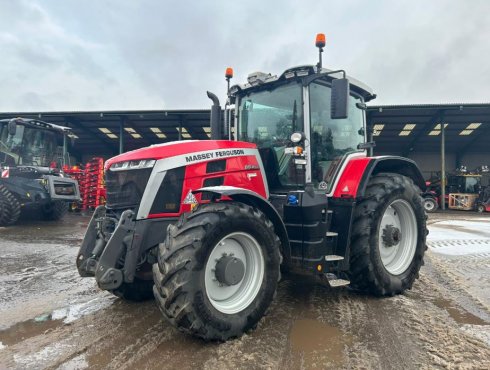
x: 50, y: 318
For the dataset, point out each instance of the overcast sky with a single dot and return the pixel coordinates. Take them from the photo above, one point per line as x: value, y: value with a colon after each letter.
x: 115, y: 54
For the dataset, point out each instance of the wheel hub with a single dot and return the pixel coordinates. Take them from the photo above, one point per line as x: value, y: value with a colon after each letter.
x: 397, y: 236
x: 229, y: 270
x: 234, y: 272
x: 391, y: 235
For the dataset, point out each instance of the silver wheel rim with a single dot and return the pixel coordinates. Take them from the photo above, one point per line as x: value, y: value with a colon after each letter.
x: 398, y: 255
x: 429, y: 205
x: 235, y: 298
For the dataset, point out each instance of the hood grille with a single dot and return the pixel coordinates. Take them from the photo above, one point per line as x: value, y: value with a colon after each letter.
x: 125, y: 188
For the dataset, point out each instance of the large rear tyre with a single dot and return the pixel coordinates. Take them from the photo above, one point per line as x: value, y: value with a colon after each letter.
x: 217, y: 270
x: 11, y: 207
x: 55, y: 210
x: 388, y: 236
x: 2, y: 210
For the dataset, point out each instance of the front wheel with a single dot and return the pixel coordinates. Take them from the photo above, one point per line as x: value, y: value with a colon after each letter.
x: 10, y: 207
x: 480, y: 208
x: 430, y: 205
x: 388, y: 236
x: 217, y: 270
x: 55, y: 210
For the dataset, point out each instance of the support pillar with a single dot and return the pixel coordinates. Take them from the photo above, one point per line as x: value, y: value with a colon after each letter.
x: 443, y: 166
x: 121, y: 136
x: 180, y: 128
x: 65, y: 151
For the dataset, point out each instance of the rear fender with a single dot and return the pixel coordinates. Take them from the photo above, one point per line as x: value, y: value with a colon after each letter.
x: 393, y: 164
x: 253, y: 199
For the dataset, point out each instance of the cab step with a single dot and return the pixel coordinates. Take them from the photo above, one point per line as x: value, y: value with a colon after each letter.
x: 332, y: 233
x: 333, y: 257
x: 335, y: 282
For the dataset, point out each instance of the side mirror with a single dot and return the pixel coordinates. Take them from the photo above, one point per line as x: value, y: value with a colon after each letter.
x: 12, y: 127
x: 340, y: 98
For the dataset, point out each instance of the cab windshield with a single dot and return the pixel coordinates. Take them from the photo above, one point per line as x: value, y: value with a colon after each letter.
x: 29, y: 146
x: 268, y: 118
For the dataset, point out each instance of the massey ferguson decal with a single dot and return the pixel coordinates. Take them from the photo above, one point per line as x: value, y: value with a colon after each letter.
x: 212, y: 155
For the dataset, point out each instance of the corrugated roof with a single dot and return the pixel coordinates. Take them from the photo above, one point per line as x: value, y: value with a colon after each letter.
x: 462, y: 133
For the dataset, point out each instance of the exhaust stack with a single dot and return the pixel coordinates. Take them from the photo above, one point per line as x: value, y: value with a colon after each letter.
x: 215, y: 121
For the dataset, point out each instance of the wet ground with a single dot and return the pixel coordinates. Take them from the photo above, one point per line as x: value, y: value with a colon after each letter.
x: 50, y: 318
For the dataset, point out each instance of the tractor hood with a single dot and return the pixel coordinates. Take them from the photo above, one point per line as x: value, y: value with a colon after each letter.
x: 176, y: 148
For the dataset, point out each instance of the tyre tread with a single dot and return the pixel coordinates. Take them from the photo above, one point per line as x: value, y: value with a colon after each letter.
x: 179, y: 304
x: 363, y: 273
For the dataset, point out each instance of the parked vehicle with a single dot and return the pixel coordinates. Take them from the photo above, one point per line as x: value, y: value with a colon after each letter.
x: 30, y: 175
x: 463, y: 190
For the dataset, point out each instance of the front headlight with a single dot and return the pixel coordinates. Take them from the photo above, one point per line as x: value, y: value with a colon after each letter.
x: 132, y: 165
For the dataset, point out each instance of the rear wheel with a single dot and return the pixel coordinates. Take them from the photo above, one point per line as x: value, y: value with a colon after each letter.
x: 11, y: 207
x: 388, y: 236
x: 430, y: 205
x: 2, y: 210
x: 55, y: 210
x: 217, y: 270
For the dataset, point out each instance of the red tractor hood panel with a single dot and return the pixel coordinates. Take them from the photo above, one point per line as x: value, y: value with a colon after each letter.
x: 167, y: 150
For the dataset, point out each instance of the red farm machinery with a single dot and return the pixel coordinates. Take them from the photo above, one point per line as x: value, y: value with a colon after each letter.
x: 465, y: 190
x: 285, y: 184
x: 90, y: 178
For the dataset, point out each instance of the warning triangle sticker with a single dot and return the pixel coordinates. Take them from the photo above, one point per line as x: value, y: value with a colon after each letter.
x: 190, y: 198
x: 345, y: 189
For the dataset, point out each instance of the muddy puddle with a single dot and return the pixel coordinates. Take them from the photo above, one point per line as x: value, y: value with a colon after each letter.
x: 457, y: 313
x: 27, y: 329
x: 315, y: 344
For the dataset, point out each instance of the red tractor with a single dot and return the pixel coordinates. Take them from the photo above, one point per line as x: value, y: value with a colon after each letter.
x: 207, y: 226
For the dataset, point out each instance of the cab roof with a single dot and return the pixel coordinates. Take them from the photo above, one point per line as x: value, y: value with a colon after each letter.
x: 37, y: 123
x: 263, y: 79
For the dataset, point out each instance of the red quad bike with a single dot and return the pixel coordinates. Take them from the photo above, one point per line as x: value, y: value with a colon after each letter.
x: 482, y: 204
x: 207, y: 226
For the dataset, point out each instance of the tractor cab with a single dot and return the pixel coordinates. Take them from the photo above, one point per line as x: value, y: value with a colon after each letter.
x: 25, y: 142
x: 306, y: 100
x: 464, y: 183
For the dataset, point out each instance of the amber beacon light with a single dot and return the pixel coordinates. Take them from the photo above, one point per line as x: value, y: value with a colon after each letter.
x: 320, y: 43
x: 320, y: 40
x: 229, y: 72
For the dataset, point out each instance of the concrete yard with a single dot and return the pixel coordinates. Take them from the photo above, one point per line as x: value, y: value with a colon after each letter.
x: 50, y: 318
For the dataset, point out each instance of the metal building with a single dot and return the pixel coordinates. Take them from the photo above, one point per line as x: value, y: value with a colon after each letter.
x: 431, y: 134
